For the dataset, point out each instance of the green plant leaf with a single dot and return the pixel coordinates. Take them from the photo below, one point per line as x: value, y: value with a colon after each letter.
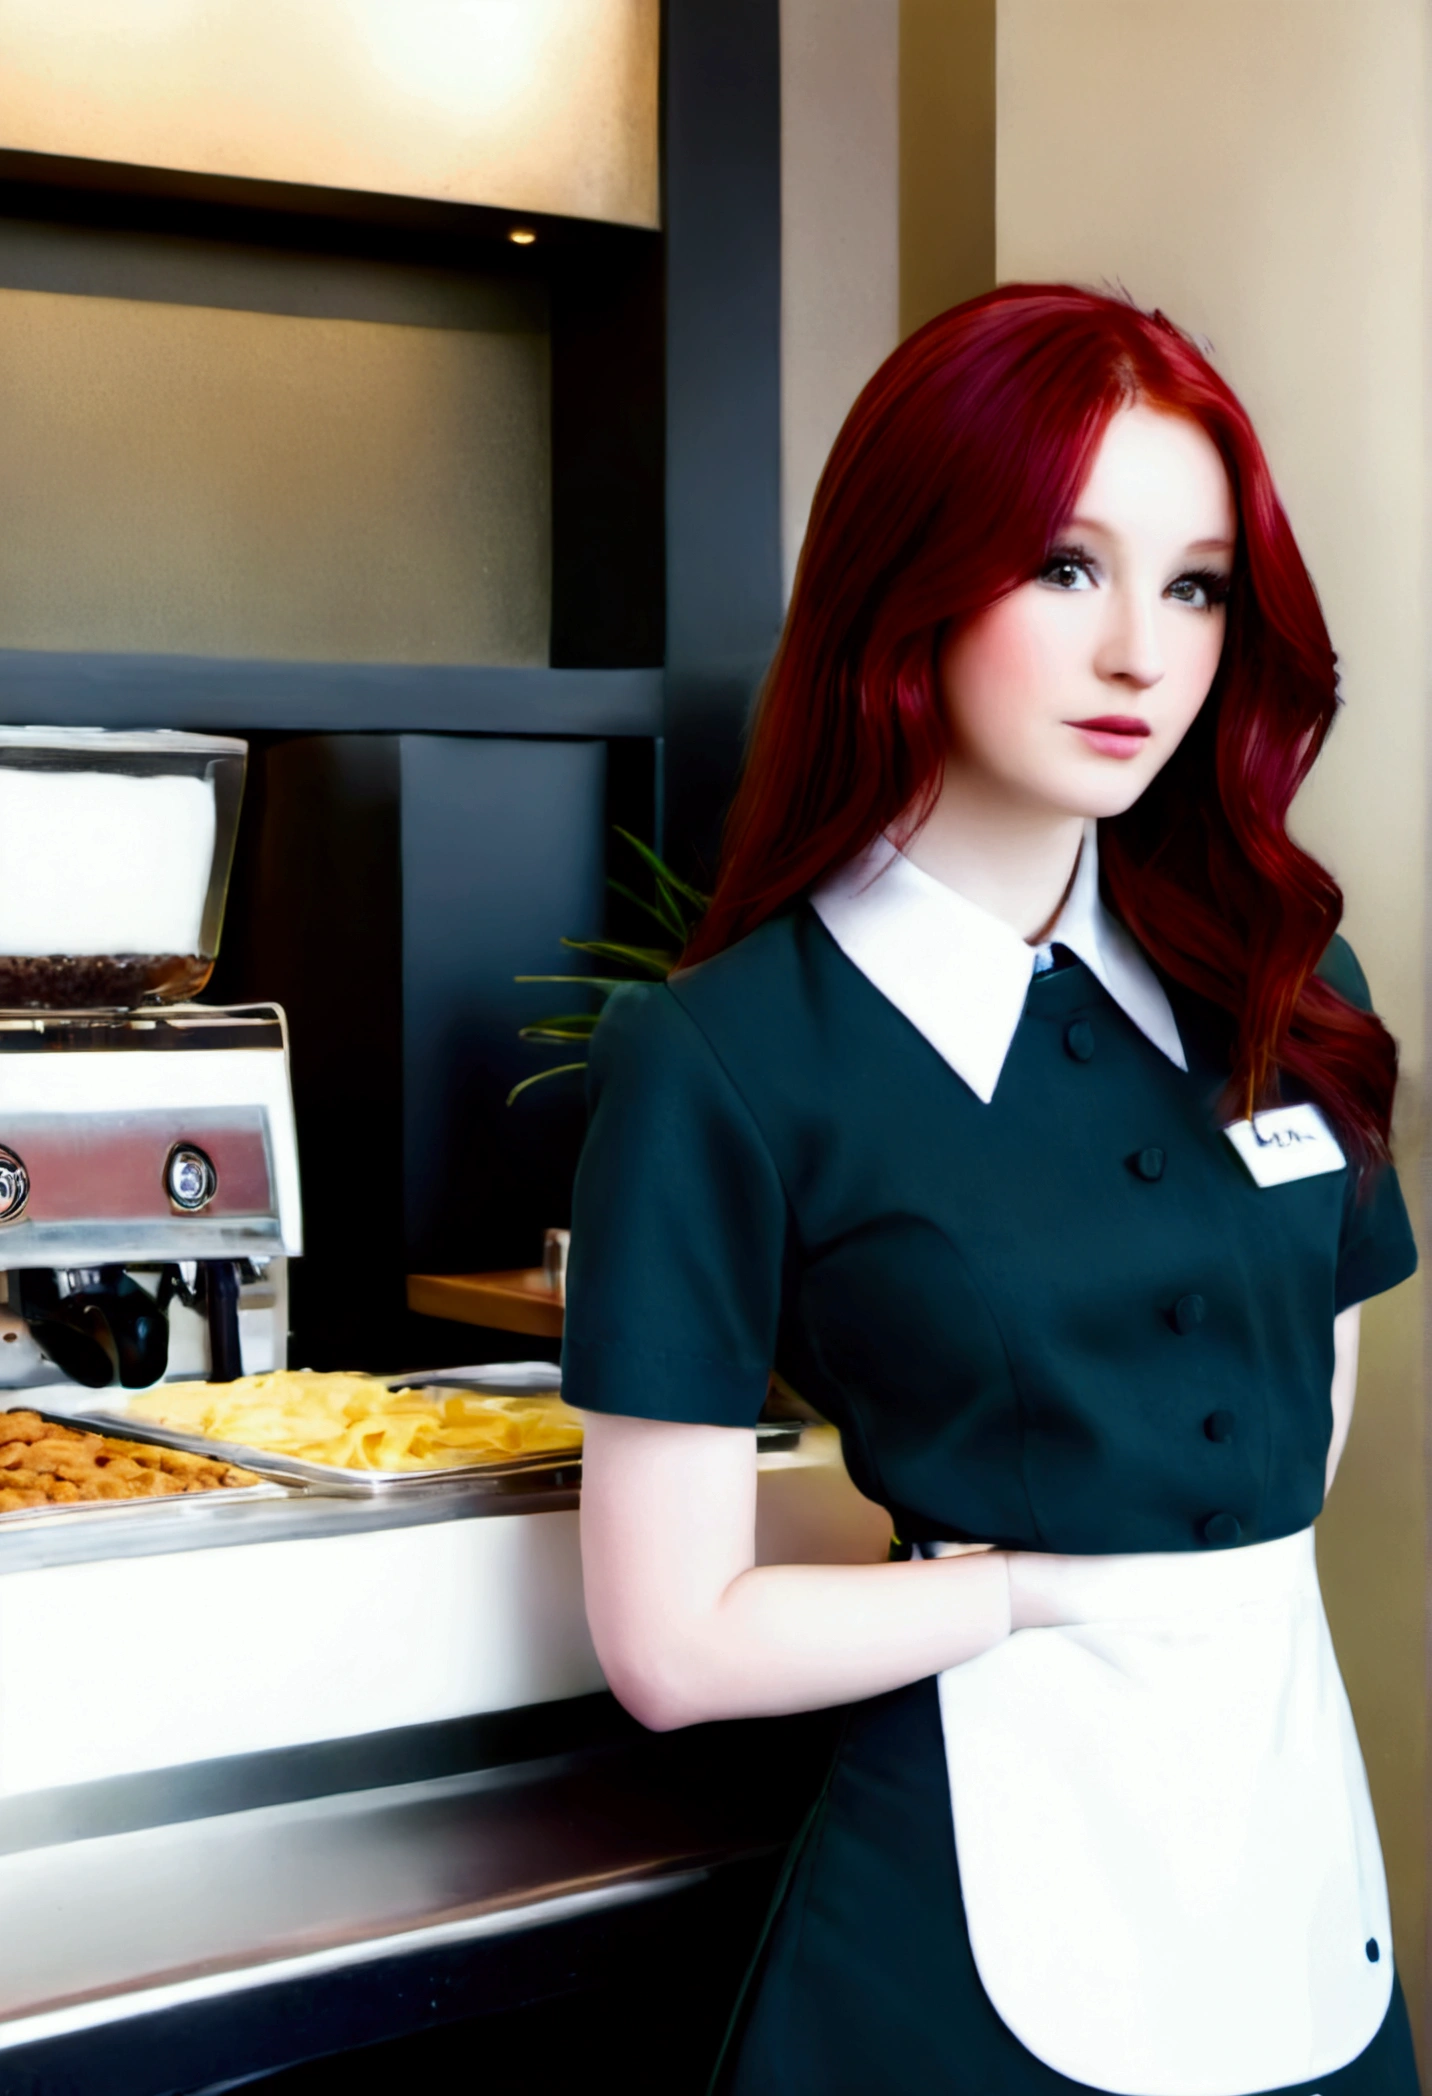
x: 651, y: 960
x: 605, y: 983
x: 560, y: 1070
x: 563, y: 1026
x: 675, y: 906
x: 663, y: 872
x: 681, y: 914
x: 663, y: 909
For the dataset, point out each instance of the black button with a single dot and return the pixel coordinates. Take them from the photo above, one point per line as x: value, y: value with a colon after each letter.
x: 1219, y: 1426
x: 1079, y: 1040
x: 1147, y: 1164
x: 1222, y: 1528
x: 1188, y: 1313
x: 1373, y: 1953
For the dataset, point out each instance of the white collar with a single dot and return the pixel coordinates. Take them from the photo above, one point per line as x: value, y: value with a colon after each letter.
x: 961, y: 976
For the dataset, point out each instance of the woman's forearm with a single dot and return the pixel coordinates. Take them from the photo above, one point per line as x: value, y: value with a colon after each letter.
x: 799, y: 1637
x: 688, y: 1628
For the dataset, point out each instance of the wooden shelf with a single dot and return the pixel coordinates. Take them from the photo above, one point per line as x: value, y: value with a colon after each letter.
x: 192, y: 691
x: 521, y: 1301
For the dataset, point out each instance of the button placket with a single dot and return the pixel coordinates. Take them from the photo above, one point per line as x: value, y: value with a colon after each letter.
x: 1188, y: 1314
x: 1148, y: 1163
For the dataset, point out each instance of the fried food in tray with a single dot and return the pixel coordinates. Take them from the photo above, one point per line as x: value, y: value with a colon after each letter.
x: 45, y: 1464
x: 358, y: 1423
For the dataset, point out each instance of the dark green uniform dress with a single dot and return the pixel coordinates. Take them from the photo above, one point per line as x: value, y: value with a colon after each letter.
x: 1063, y: 1320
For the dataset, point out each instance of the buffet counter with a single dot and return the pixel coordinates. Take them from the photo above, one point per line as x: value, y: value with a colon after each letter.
x: 271, y: 1767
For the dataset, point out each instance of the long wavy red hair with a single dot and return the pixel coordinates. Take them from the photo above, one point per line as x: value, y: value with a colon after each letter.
x: 952, y: 477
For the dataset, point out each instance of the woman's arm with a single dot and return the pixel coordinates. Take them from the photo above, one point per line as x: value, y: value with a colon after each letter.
x: 1346, y: 1333
x: 688, y: 1627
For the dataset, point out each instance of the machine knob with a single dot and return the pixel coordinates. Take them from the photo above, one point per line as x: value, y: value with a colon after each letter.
x: 14, y: 1187
x: 190, y: 1179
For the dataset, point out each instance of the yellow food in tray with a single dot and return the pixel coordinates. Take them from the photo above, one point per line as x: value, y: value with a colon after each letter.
x: 355, y: 1422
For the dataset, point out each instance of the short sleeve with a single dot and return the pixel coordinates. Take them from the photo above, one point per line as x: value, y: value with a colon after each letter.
x: 678, y: 1229
x: 1376, y: 1249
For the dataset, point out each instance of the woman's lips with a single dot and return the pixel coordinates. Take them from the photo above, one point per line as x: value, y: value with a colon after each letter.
x: 1114, y: 734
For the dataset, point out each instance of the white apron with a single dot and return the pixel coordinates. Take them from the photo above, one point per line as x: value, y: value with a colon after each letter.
x: 1171, y: 1871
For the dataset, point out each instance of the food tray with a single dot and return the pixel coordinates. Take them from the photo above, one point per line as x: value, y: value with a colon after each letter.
x: 170, y: 1504
x: 498, y: 1379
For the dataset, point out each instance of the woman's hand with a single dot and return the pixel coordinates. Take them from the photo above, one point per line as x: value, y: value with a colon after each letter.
x: 1037, y: 1599
x: 688, y: 1627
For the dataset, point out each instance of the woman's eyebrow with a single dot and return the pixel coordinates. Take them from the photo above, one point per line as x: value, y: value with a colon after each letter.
x: 1092, y: 528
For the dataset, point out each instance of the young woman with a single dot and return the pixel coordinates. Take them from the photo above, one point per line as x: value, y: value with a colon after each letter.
x: 1023, y: 1109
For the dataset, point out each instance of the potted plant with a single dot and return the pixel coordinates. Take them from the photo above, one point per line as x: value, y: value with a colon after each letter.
x: 674, y: 906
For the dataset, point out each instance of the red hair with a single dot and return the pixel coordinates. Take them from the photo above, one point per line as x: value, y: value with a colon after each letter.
x: 952, y: 477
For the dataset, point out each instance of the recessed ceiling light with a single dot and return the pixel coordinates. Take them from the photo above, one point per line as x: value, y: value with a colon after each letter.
x: 522, y: 236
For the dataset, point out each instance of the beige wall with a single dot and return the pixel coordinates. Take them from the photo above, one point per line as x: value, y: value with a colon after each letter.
x: 840, y: 250
x: 887, y: 200
x: 1259, y: 173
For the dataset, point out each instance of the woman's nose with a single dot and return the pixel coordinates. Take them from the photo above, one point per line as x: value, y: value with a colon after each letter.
x: 1129, y: 647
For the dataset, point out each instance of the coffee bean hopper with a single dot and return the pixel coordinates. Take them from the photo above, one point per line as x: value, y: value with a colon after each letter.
x: 149, y: 1194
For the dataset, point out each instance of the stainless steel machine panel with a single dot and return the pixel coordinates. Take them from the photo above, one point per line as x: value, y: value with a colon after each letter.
x: 192, y: 1172
x: 149, y: 1195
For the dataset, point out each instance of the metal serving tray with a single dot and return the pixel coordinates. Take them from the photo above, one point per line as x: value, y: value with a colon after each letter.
x: 494, y: 1379
x: 497, y: 1379
x: 171, y: 1503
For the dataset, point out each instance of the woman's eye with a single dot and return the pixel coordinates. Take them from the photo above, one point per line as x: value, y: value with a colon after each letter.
x: 1203, y: 590
x: 1067, y: 571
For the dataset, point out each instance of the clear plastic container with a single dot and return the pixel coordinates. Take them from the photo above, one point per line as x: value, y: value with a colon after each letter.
x: 115, y: 852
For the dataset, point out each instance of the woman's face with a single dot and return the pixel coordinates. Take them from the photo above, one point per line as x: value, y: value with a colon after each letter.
x: 1072, y: 691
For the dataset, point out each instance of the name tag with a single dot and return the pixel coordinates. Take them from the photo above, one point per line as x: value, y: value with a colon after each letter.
x: 1286, y: 1143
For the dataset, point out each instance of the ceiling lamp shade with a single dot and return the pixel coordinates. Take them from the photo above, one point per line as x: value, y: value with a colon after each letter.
x: 542, y: 106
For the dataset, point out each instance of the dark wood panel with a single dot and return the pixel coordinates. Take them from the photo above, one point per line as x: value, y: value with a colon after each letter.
x: 115, y: 193
x: 392, y: 888
x: 269, y: 273
x: 608, y: 456
x: 190, y: 691
x: 723, y: 350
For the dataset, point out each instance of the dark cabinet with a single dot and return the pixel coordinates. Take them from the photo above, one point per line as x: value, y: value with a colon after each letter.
x: 397, y: 884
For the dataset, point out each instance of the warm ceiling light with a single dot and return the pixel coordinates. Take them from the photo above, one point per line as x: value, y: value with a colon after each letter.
x: 547, y: 106
x: 522, y: 236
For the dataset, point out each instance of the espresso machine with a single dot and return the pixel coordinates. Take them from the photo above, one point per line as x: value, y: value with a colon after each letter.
x: 149, y: 1194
